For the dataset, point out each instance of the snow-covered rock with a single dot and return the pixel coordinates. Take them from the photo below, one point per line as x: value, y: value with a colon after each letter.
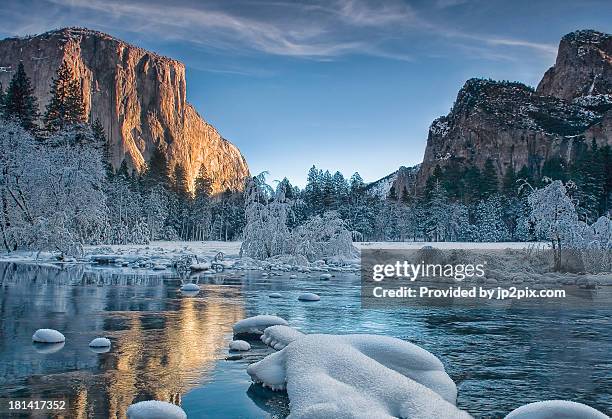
x: 155, y: 409
x: 190, y: 287
x: 100, y: 343
x: 309, y: 296
x: 239, y: 345
x: 200, y: 266
x: 257, y: 324
x: 358, y: 376
x: 278, y: 337
x: 556, y: 409
x: 48, y: 336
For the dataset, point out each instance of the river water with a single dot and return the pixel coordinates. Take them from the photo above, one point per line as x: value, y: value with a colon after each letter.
x: 167, y: 346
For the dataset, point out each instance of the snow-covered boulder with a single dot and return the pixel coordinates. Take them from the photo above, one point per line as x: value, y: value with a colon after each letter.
x: 257, y: 324
x: 100, y: 343
x: 155, y: 409
x: 556, y: 409
x: 48, y: 336
x: 198, y: 267
x: 190, y: 287
x: 309, y: 296
x: 359, y: 376
x: 278, y: 337
x: 239, y: 345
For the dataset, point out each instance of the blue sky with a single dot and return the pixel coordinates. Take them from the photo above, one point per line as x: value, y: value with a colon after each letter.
x: 349, y: 85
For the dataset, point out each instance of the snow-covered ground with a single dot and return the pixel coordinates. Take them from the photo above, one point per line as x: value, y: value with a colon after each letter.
x: 162, y: 257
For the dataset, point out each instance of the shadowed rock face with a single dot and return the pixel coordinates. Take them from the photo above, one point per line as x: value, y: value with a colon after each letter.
x: 583, y: 66
x: 515, y: 126
x: 139, y: 96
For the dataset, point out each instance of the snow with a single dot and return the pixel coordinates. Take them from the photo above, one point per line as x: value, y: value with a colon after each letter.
x: 309, y: 296
x: 239, y: 345
x: 100, y: 343
x: 190, y: 287
x: 358, y: 376
x: 278, y: 337
x: 257, y: 324
x: 200, y: 266
x: 556, y: 409
x: 48, y: 336
x: 154, y: 409
x: 446, y: 245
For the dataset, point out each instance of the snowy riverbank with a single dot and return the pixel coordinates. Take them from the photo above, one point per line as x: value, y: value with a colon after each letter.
x: 164, y: 257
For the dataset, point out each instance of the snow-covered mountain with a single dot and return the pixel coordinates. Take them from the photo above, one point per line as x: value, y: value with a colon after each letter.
x: 516, y: 126
x: 138, y: 96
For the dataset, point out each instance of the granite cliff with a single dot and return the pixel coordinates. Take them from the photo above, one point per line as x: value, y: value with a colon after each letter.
x: 138, y: 96
x: 516, y: 126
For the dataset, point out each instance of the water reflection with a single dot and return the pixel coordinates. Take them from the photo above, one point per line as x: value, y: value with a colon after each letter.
x: 163, y: 343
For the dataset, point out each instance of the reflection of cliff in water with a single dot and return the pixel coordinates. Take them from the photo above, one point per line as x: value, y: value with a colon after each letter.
x: 163, y: 343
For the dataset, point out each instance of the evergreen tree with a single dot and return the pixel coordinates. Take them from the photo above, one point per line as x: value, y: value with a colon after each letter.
x: 328, y: 196
x: 555, y: 169
x: 489, y: 183
x: 313, y: 191
x: 590, y: 178
x: 100, y: 140
x: 490, y: 225
x: 472, y: 178
x: 157, y: 172
x: 66, y: 106
x: 509, y: 183
x: 19, y: 101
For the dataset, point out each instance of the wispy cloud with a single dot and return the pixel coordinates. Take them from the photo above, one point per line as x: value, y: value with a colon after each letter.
x: 390, y: 29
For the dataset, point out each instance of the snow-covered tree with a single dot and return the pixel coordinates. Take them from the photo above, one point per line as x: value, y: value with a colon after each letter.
x: 490, y: 225
x: 554, y: 217
x: 322, y: 237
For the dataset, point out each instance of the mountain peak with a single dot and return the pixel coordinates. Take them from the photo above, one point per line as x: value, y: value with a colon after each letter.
x: 583, y: 66
x: 586, y: 36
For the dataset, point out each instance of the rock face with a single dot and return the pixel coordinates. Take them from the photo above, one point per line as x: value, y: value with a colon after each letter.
x: 401, y: 181
x: 138, y: 96
x: 515, y: 126
x: 583, y: 67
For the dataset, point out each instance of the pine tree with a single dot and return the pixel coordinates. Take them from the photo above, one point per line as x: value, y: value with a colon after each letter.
x: 19, y: 101
x: 472, y: 178
x: 489, y: 183
x: 101, y: 142
x: 509, y: 184
x: 157, y: 172
x: 313, y: 191
x: 66, y: 106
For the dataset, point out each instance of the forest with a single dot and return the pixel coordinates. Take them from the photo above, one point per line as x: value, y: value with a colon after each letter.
x: 59, y: 192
